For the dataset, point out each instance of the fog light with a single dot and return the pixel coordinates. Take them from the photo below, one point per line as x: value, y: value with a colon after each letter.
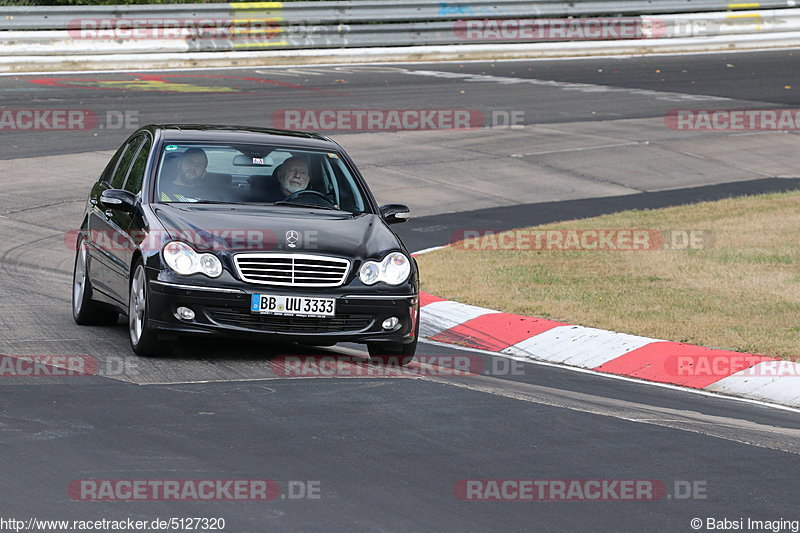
x: 184, y: 313
x: 391, y: 322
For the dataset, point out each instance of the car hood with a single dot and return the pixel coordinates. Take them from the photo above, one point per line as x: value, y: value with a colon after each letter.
x: 238, y: 229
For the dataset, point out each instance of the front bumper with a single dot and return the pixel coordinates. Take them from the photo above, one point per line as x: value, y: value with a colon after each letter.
x: 226, y: 312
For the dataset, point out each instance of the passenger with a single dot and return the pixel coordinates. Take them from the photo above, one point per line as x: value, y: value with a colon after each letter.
x: 190, y: 169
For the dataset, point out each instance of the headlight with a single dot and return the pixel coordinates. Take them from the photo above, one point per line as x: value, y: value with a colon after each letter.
x: 370, y: 272
x: 394, y: 270
x: 182, y: 258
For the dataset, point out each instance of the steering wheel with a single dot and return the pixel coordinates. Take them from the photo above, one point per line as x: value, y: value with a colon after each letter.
x: 297, y: 194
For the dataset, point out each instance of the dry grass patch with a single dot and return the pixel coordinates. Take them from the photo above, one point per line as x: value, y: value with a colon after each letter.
x: 740, y: 292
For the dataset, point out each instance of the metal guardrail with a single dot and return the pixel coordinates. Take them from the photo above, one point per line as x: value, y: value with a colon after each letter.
x: 368, y: 23
x: 370, y: 11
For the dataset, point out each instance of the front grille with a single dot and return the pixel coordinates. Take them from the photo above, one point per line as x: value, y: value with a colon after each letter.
x: 292, y: 270
x: 289, y: 324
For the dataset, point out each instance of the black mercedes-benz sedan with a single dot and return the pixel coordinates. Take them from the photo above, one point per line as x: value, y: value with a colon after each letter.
x: 236, y: 231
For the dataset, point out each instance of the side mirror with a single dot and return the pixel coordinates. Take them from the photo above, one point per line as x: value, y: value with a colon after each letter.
x: 118, y: 199
x: 395, y: 213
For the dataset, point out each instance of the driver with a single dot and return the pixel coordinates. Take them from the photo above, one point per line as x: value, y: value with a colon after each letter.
x: 293, y: 175
x: 290, y: 181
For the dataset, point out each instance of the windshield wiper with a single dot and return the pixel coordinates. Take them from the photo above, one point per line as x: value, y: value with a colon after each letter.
x: 296, y: 204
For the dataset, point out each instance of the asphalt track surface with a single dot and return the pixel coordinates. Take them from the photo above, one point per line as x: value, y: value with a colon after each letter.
x: 385, y: 452
x: 251, y: 96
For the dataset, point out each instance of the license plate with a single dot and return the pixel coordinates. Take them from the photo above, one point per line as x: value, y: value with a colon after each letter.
x: 275, y: 304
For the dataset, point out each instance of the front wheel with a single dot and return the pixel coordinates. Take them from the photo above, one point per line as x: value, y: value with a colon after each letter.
x: 389, y: 353
x: 86, y: 311
x: 144, y: 340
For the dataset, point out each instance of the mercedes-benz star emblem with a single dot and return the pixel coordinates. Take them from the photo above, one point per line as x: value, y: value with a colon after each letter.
x: 292, y: 237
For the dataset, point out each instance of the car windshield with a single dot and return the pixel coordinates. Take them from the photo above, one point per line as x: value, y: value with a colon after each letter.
x: 256, y: 174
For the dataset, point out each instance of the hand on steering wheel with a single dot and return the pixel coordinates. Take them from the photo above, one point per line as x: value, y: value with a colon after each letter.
x: 317, y: 194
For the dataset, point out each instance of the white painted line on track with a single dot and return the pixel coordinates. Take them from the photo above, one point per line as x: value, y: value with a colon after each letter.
x: 584, y: 148
x: 444, y: 61
x: 428, y: 250
x: 564, y: 85
x: 741, y: 430
x: 700, y: 392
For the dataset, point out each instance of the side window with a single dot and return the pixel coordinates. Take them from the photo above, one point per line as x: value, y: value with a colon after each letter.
x: 136, y: 176
x: 109, y: 170
x: 350, y: 200
x: 124, y: 163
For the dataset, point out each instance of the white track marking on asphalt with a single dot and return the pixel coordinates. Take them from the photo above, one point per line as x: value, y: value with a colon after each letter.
x: 701, y: 392
x: 429, y: 250
x: 567, y: 86
x: 578, y: 345
x: 752, y: 133
x: 732, y: 429
x: 584, y: 148
x: 412, y: 63
x: 439, y: 316
x: 254, y: 380
x: 737, y: 430
x: 742, y: 431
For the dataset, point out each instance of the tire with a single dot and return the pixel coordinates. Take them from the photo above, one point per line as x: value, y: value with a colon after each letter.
x: 86, y: 311
x: 391, y: 354
x: 144, y: 339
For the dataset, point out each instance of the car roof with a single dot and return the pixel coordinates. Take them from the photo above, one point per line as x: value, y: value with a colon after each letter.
x: 243, y: 134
